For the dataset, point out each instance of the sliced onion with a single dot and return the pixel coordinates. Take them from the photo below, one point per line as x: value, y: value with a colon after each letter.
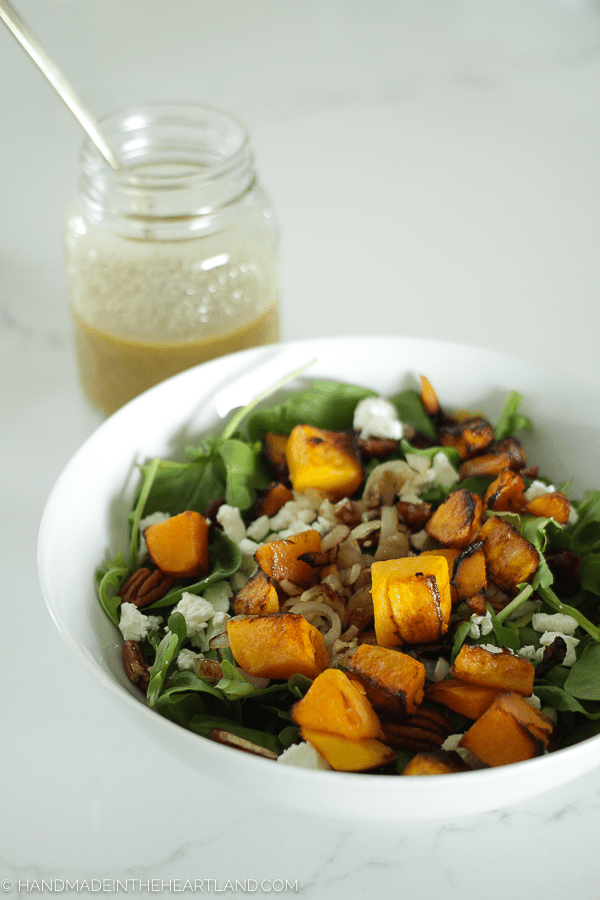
x: 313, y: 611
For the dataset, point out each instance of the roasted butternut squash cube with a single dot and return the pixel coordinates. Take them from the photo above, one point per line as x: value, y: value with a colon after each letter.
x: 346, y: 755
x: 434, y: 762
x: 553, y: 505
x: 470, y: 700
x: 468, y: 437
x: 505, y: 454
x: 179, y: 545
x: 509, y: 731
x: 274, y: 452
x: 276, y: 496
x: 277, y: 645
x: 325, y: 461
x: 502, y: 671
x: 393, y: 681
x: 506, y: 493
x: 457, y: 520
x: 257, y: 597
x: 411, y: 599
x: 469, y: 575
x: 336, y: 704
x: 449, y: 554
x: 280, y: 559
x: 429, y: 398
x: 510, y: 559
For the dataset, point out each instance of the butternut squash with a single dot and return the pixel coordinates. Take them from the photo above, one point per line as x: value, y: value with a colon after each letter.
x: 510, y: 559
x: 434, y: 762
x: 277, y: 645
x: 411, y: 599
x: 457, y: 520
x: 273, y: 448
x: 393, y: 681
x: 429, y: 398
x: 509, y: 731
x: 554, y: 505
x: 501, y: 671
x: 346, y: 755
x: 470, y: 700
x: 325, y: 461
x: 469, y: 576
x: 277, y: 495
x: 336, y: 704
x: 257, y: 597
x: 506, y: 493
x: 179, y: 545
x: 280, y: 559
x: 449, y: 554
x: 468, y: 437
x: 505, y: 454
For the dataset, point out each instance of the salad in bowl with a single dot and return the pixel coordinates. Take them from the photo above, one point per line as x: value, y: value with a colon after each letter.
x: 351, y: 576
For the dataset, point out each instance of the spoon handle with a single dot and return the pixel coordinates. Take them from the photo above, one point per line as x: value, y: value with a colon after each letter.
x: 21, y: 32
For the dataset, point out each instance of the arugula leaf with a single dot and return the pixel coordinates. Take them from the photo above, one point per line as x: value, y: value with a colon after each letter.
x: 510, y: 420
x: 326, y: 404
x: 411, y: 411
x: 109, y: 579
x: 245, y: 472
x: 166, y: 656
x: 583, y: 680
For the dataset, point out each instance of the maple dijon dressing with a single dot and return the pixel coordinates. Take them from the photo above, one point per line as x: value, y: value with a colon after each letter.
x: 172, y: 261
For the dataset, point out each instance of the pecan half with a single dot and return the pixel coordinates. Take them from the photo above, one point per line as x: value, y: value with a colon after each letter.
x: 145, y: 586
x: 136, y: 667
x: 427, y: 729
x: 221, y: 736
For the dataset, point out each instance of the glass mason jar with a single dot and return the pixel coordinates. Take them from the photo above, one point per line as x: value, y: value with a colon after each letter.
x: 171, y: 260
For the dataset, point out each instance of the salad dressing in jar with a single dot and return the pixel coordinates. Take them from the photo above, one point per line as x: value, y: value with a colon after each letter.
x: 171, y: 260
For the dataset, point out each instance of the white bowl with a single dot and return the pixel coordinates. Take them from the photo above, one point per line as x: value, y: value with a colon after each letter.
x: 87, y: 508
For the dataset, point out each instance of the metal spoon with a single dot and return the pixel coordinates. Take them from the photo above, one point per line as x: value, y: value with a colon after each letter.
x: 21, y: 32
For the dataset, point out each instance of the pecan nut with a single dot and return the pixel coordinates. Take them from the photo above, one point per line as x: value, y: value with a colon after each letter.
x: 136, y: 667
x: 145, y: 586
x: 426, y: 730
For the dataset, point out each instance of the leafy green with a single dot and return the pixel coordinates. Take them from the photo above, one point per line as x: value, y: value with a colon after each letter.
x: 510, y: 420
x: 583, y: 680
x: 109, y: 579
x: 166, y: 656
x: 411, y: 411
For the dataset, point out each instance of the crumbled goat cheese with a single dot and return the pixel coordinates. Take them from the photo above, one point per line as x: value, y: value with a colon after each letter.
x: 491, y: 648
x: 538, y: 489
x: 443, y: 471
x: 303, y: 755
x: 554, y: 622
x: 480, y: 626
x: 134, y: 625
x: 230, y: 520
x: 186, y: 659
x: 378, y: 418
x: 202, y: 620
x: 259, y: 529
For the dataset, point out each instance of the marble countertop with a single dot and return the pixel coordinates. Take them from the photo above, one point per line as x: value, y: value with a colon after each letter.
x: 434, y: 166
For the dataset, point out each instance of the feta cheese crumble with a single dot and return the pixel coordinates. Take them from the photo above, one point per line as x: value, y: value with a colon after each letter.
x: 202, y: 620
x: 304, y: 756
x: 378, y: 418
x: 134, y: 625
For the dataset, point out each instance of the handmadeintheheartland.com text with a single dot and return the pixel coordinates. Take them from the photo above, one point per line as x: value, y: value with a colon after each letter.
x: 147, y: 886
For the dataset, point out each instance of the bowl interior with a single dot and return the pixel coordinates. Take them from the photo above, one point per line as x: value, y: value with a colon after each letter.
x: 87, y: 509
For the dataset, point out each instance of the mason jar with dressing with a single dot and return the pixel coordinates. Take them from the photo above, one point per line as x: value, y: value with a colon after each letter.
x: 171, y: 259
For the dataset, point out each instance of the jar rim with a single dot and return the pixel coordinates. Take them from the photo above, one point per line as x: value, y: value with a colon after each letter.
x: 169, y: 145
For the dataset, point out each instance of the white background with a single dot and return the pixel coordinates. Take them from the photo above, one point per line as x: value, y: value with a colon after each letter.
x: 435, y: 170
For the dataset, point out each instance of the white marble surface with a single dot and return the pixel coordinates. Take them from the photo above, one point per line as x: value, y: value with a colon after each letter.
x: 435, y: 167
